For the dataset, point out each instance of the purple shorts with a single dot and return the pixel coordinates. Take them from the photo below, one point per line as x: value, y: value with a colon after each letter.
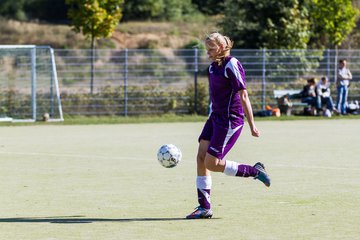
x: 222, y: 132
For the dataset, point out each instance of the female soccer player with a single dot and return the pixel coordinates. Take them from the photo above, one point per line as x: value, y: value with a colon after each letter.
x: 229, y: 105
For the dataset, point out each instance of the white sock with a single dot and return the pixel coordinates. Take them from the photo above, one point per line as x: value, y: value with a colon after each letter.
x: 203, y: 182
x: 231, y: 168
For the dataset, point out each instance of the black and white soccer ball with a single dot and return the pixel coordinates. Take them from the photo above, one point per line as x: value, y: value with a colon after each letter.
x: 169, y: 155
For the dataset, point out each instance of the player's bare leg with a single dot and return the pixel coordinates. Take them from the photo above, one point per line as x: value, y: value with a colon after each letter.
x: 207, y: 163
x: 203, y: 184
x: 200, y: 158
x: 235, y: 169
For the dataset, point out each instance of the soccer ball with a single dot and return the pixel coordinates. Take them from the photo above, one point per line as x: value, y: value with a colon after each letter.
x: 45, y: 117
x: 169, y: 155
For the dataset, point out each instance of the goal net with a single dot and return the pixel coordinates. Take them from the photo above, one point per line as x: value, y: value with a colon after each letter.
x: 29, y: 89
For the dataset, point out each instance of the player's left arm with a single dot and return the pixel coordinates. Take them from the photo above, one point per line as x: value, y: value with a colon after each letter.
x: 349, y: 74
x: 245, y: 101
x: 235, y: 72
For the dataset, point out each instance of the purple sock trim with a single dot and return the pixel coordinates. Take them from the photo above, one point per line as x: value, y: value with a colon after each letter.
x: 246, y: 171
x: 204, y: 198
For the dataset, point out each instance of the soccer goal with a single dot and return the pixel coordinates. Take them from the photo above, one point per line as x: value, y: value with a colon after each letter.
x: 29, y: 88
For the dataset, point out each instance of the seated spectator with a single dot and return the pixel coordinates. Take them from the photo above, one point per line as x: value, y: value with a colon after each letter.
x: 323, y: 95
x: 308, y: 94
x: 285, y: 105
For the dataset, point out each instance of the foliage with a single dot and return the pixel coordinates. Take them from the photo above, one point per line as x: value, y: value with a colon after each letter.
x: 13, y: 9
x: 95, y: 18
x: 202, y: 99
x: 178, y: 10
x: 291, y: 31
x: 209, y: 7
x: 54, y: 10
x: 196, y: 43
x: 142, y: 9
x: 158, y: 10
x: 252, y: 23
x: 332, y: 21
x: 141, y: 100
x: 76, y: 120
x: 266, y: 23
x: 307, y: 63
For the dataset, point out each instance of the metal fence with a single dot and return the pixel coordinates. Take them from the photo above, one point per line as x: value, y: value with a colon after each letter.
x: 155, y: 81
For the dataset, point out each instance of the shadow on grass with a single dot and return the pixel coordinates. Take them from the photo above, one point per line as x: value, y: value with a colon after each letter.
x: 82, y: 219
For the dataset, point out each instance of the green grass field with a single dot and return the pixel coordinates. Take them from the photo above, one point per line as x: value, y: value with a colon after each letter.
x: 104, y: 182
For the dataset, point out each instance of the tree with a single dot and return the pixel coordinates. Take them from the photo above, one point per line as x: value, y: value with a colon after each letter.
x: 332, y: 21
x: 209, y: 7
x: 23, y: 10
x: 13, y: 9
x: 178, y: 10
x: 95, y: 19
x: 266, y: 23
x: 45, y: 10
x: 171, y: 10
x: 143, y: 9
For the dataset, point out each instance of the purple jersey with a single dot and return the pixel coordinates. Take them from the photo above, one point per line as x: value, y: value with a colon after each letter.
x: 225, y: 82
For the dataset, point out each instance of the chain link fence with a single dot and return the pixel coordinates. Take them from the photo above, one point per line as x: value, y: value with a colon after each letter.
x: 156, y: 81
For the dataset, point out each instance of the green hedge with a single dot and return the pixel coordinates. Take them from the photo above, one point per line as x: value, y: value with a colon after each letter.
x: 109, y: 100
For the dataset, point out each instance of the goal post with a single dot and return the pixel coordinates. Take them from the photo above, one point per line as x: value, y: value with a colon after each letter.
x: 29, y: 87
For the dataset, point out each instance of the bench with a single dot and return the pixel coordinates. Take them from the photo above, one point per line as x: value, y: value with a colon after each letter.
x: 288, y: 99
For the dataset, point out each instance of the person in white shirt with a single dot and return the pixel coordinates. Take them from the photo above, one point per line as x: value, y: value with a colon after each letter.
x: 323, y: 95
x: 343, y: 80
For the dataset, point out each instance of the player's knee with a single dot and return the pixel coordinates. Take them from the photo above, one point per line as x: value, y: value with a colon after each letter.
x: 211, y: 164
x: 201, y: 155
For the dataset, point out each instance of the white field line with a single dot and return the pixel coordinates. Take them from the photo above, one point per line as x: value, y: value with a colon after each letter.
x: 314, y: 167
x: 70, y: 155
x: 75, y: 156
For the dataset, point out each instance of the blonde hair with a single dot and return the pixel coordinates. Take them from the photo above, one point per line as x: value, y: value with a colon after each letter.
x: 219, y: 40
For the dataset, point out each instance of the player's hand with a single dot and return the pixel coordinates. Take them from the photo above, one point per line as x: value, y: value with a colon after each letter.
x: 255, y: 132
